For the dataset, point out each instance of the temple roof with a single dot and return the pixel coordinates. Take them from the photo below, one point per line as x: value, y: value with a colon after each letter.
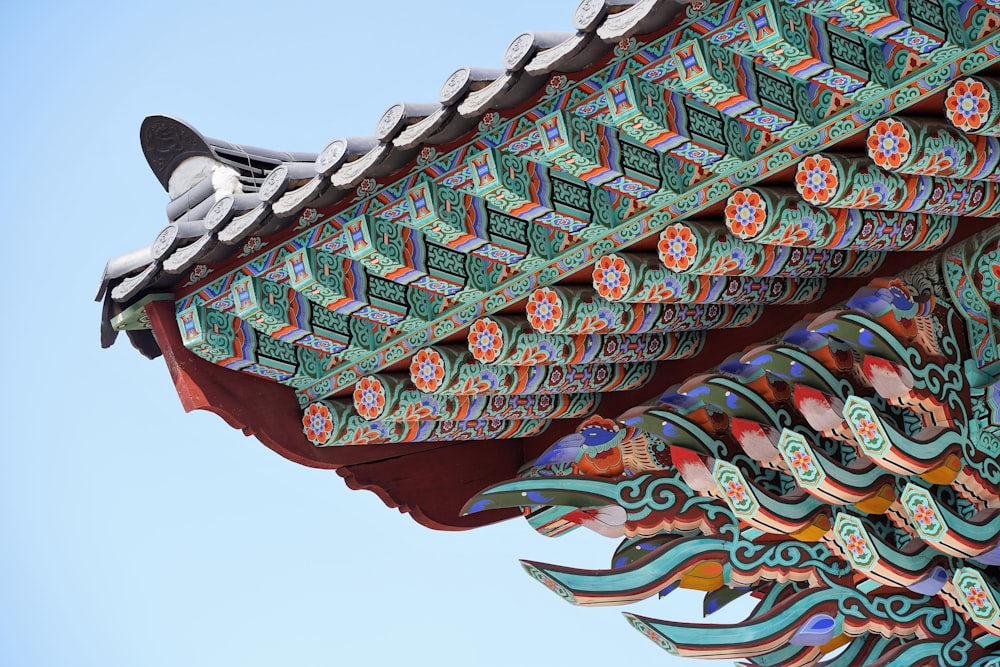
x: 718, y: 279
x: 612, y: 210
x: 280, y: 184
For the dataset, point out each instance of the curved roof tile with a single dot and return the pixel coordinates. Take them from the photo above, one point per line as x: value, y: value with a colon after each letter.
x: 285, y: 183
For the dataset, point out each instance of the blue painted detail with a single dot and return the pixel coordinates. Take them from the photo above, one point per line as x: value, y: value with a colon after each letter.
x: 481, y: 505
x: 816, y: 631
x: 669, y: 589
x: 932, y: 583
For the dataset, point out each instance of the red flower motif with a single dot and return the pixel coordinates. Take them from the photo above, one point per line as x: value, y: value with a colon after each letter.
x: 317, y: 422
x: 924, y: 515
x: 369, y: 398
x: 967, y: 103
x: 976, y: 597
x: 485, y: 340
x: 815, y: 179
x: 427, y: 153
x: 427, y: 370
x: 544, y: 310
x: 677, y: 247
x: 611, y: 277
x: 888, y: 143
x: 489, y: 120
x: 745, y: 213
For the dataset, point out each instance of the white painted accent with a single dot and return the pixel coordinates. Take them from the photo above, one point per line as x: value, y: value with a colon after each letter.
x: 190, y: 172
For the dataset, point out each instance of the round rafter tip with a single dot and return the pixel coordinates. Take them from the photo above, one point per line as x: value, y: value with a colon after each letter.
x: 165, y: 243
x: 331, y: 157
x: 455, y: 86
x: 274, y: 185
x: 220, y: 213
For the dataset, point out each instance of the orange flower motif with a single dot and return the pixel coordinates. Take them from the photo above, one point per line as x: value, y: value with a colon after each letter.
x: 967, y: 103
x: 677, y: 247
x: 593, y: 324
x: 802, y: 461
x: 735, y: 490
x: 485, y: 340
x: 815, y: 179
x: 976, y: 597
x: 794, y: 234
x: 369, y: 398
x: 366, y: 435
x: 728, y: 263
x: 420, y: 412
x: 924, y: 515
x: 474, y: 385
x: 544, y: 310
x: 427, y: 370
x: 611, y: 277
x: 745, y: 213
x: 532, y: 355
x: 867, y: 429
x: 857, y: 545
x: 938, y: 164
x: 888, y: 143
x: 317, y: 422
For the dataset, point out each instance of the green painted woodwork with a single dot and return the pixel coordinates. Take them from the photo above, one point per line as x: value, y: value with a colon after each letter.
x: 932, y: 148
x: 777, y: 216
x: 562, y: 310
x: 834, y: 471
x: 887, y: 374
x: 674, y: 166
x: 134, y: 317
x: 842, y: 182
x: 635, y: 278
x: 509, y: 340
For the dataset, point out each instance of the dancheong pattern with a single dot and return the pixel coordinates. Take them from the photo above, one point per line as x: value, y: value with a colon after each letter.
x: 573, y: 253
x: 833, y: 474
x: 737, y: 91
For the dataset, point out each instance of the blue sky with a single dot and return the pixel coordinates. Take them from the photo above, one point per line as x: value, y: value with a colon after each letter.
x: 134, y: 534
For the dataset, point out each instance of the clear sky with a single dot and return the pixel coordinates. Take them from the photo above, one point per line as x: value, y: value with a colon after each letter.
x: 134, y: 534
